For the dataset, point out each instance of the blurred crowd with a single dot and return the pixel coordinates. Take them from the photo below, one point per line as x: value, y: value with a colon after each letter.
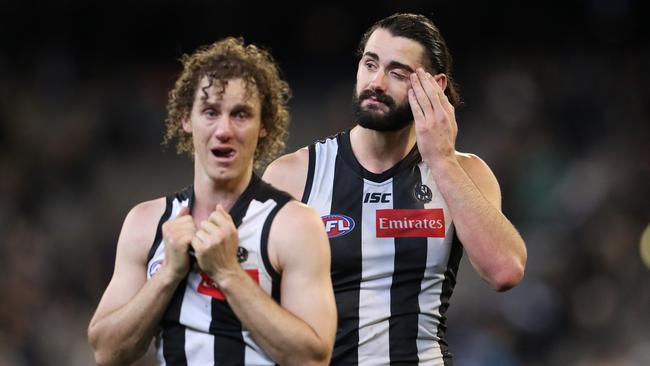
x: 565, y: 126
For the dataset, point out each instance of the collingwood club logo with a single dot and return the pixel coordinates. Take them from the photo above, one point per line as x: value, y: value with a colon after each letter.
x: 422, y: 193
x: 242, y: 254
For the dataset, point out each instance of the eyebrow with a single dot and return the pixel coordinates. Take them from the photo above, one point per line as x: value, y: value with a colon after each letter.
x: 392, y: 64
x: 246, y: 107
x: 243, y: 108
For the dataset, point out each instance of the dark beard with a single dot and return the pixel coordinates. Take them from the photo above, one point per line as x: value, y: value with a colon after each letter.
x: 397, y: 117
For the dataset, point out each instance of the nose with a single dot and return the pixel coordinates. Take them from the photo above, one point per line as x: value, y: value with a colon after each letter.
x: 224, y: 128
x: 378, y: 81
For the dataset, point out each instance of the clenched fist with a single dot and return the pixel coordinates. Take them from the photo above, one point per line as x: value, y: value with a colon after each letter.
x: 178, y: 234
x: 215, y: 245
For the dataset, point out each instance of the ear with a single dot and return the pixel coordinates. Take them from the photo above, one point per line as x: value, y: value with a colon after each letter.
x: 262, y: 131
x: 187, y: 124
x: 441, y: 79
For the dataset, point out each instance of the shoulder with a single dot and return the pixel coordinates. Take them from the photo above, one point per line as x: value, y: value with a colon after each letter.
x: 297, y: 232
x: 289, y: 172
x: 147, y: 212
x: 482, y: 176
x: 140, y: 225
x: 472, y: 163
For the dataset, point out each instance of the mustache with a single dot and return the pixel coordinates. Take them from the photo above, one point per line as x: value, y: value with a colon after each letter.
x: 378, y: 96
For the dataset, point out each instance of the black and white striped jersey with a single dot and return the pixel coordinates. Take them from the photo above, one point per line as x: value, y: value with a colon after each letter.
x: 394, y: 256
x: 199, y: 327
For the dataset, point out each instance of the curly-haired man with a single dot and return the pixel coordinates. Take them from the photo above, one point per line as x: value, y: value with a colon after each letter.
x: 228, y: 271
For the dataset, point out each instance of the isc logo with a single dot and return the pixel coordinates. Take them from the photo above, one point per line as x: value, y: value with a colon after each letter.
x: 376, y: 197
x: 337, y: 225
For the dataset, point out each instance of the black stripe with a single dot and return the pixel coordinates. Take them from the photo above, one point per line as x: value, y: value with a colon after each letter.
x: 347, y: 199
x: 239, y: 208
x: 264, y: 251
x: 173, y: 334
x: 229, y: 346
x: 410, y: 264
x: 447, y: 289
x: 310, y: 173
x: 265, y: 192
x: 346, y: 153
x: 165, y: 216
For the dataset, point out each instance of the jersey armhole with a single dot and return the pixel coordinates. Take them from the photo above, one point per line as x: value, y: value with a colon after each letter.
x: 264, y: 251
x: 165, y: 216
x: 310, y: 174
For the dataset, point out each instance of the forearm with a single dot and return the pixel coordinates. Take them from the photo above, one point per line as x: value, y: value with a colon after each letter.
x: 493, y: 245
x: 123, y: 336
x: 286, y: 338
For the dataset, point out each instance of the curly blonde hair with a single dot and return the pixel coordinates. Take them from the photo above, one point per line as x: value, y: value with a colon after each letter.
x: 229, y: 59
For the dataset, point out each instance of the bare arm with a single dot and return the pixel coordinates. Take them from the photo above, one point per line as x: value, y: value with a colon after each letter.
x: 495, y: 248
x: 289, y: 173
x: 300, y: 331
x: 128, y: 314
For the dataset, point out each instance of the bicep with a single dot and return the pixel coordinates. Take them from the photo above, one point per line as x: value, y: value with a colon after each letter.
x: 481, y: 174
x: 303, y: 254
x: 129, y: 274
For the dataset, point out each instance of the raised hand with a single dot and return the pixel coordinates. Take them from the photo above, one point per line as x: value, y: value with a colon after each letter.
x: 215, y: 245
x: 435, y: 118
x: 178, y: 234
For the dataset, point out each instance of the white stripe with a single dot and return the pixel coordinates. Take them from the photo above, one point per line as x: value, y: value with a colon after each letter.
x: 199, y: 348
x: 254, y: 355
x: 250, y: 232
x: 377, y: 266
x: 160, y: 358
x: 196, y: 310
x: 438, y: 251
x: 159, y: 254
x: 320, y: 197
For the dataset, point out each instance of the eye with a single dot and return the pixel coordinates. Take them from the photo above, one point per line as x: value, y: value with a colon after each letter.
x: 242, y: 115
x: 370, y: 65
x: 210, y: 113
x: 398, y: 75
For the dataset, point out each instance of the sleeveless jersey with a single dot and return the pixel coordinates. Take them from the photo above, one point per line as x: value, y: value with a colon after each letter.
x: 394, y: 256
x: 199, y: 327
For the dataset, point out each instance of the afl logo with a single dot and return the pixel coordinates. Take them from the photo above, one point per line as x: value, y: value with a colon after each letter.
x: 337, y: 225
x: 422, y: 193
x: 153, y: 267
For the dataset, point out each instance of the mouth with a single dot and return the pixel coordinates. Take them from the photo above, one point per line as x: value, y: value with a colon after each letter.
x: 374, y: 103
x: 221, y: 153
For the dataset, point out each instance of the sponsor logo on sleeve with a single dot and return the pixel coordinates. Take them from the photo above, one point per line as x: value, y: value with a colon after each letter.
x: 154, y: 267
x: 210, y: 288
x: 337, y: 225
x: 410, y: 223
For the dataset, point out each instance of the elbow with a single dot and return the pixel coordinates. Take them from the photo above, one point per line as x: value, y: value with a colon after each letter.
x: 93, y: 339
x: 507, y: 277
x: 103, y: 355
x: 315, y: 356
x: 101, y: 359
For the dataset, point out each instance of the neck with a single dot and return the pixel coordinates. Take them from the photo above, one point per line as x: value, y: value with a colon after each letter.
x: 378, y: 151
x: 209, y: 192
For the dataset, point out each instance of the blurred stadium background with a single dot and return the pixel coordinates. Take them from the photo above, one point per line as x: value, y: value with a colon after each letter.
x: 556, y: 101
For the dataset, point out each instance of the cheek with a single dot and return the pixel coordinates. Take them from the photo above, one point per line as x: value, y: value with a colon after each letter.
x: 362, y: 81
x: 400, y: 94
